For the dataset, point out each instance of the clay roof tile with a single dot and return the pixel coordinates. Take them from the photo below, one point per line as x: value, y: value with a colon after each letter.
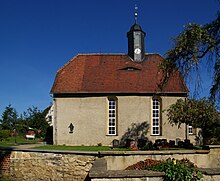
x: 106, y: 73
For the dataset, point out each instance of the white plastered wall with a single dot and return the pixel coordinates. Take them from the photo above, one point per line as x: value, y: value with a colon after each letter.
x: 89, y: 118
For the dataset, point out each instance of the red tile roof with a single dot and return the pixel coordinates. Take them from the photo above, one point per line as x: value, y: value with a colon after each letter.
x: 114, y: 73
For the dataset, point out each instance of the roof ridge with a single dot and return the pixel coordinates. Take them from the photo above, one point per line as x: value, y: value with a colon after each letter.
x: 115, y: 54
x: 102, y: 54
x: 94, y: 54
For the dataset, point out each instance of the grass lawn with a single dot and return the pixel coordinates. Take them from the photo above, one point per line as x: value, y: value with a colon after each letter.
x: 5, y: 179
x: 99, y: 148
x: 81, y: 148
x: 12, y: 141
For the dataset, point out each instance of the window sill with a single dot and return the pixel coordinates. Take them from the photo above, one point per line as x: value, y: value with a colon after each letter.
x: 156, y: 135
x: 111, y: 135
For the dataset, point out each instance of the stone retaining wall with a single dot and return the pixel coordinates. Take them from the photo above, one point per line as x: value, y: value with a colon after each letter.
x: 99, y: 172
x: 202, y: 158
x: 33, y: 166
x: 49, y: 166
x: 28, y: 165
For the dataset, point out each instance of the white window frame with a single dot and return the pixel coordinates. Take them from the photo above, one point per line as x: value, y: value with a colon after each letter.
x: 155, y: 122
x: 112, y: 117
x: 190, y: 130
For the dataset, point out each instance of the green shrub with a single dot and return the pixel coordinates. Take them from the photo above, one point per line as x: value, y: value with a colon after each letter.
x: 182, y: 170
x: 4, y: 134
x: 148, y: 146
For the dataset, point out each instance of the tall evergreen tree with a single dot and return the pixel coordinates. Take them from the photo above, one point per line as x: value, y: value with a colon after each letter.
x: 9, y: 118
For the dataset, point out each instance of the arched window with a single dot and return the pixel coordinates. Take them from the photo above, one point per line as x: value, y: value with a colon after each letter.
x: 155, y: 123
x: 112, y: 116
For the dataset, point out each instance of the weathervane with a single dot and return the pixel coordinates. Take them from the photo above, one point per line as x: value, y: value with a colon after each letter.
x: 135, y: 13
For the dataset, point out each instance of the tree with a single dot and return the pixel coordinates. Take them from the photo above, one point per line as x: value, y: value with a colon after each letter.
x: 197, y: 113
x: 195, y: 45
x: 35, y: 119
x: 4, y: 134
x: 9, y: 118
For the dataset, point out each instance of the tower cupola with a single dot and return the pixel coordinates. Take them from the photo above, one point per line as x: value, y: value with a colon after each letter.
x: 136, y: 48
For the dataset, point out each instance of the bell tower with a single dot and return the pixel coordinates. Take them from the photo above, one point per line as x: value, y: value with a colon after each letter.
x: 136, y: 48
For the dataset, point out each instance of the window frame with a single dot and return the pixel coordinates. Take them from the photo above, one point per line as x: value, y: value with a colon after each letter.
x: 155, y: 116
x: 112, y: 116
x: 190, y: 130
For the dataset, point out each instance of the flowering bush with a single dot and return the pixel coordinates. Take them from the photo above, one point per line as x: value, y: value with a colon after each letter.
x: 183, y: 170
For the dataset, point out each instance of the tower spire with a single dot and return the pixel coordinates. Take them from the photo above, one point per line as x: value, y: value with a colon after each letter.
x: 136, y: 47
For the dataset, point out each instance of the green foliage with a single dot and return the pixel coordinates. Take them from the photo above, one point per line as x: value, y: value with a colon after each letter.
x: 81, y: 148
x: 21, y: 128
x: 192, y: 46
x: 213, y: 134
x: 6, y: 179
x: 197, y: 113
x: 14, y: 141
x: 9, y: 118
x: 35, y: 119
x: 149, y: 146
x: 183, y: 170
x: 4, y: 134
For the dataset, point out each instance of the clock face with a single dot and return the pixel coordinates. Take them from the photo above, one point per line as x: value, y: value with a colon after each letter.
x: 137, y: 51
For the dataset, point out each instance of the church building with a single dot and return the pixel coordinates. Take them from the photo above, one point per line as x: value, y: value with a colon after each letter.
x: 99, y: 98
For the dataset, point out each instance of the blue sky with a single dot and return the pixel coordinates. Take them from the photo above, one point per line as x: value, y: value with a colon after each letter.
x: 37, y: 37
